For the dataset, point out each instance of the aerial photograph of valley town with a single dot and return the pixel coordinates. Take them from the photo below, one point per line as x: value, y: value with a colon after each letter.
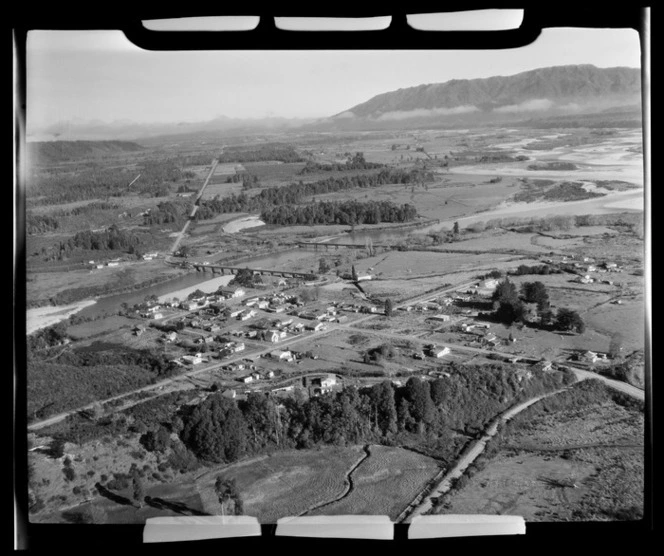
x: 297, y: 283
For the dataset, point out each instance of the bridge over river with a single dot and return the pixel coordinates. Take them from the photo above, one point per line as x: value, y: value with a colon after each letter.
x: 221, y: 269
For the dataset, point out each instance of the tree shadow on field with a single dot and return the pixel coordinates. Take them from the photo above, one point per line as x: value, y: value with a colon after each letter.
x: 112, y: 496
x: 177, y: 507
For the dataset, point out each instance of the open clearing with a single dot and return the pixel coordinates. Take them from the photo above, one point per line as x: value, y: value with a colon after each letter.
x: 599, y: 449
x: 384, y: 483
x: 288, y: 483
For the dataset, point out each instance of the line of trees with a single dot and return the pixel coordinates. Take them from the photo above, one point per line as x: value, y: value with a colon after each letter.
x: 166, y: 213
x: 296, y: 193
x: 339, y: 212
x: 249, y: 181
x: 437, y: 414
x: 38, y: 223
x: 270, y: 151
x: 356, y: 162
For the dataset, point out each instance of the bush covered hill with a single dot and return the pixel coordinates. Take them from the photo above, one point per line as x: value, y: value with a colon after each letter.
x: 581, y: 83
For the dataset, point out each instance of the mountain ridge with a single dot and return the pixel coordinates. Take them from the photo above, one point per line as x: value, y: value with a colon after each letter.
x: 505, y: 93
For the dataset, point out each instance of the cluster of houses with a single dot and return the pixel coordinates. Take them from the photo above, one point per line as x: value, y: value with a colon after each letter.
x: 255, y: 376
x: 274, y: 303
x: 585, y: 264
x: 203, y: 301
x: 152, y: 312
x: 110, y: 263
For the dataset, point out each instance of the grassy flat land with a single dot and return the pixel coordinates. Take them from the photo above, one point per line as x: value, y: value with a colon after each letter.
x: 288, y: 483
x: 41, y: 286
x: 597, y: 448
x: 384, y: 483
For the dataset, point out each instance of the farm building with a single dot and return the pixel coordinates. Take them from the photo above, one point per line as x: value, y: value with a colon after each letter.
x: 321, y: 385
x: 281, y: 355
x: 442, y: 318
x: 439, y: 352
x: 232, y: 292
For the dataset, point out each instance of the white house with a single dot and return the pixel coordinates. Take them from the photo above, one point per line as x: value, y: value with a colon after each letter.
x: 329, y: 381
x: 246, y: 315
x: 315, y: 327
x: 192, y: 359
x: 281, y: 355
x: 440, y: 352
x: 232, y: 292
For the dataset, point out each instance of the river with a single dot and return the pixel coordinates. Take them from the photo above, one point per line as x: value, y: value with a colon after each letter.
x: 42, y: 317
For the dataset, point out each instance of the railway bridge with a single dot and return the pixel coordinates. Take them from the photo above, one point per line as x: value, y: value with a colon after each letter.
x: 328, y: 245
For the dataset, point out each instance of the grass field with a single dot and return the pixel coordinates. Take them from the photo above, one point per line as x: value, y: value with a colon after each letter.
x: 598, y: 448
x: 449, y: 197
x: 89, y: 329
x: 287, y: 483
x: 384, y: 483
x: 274, y: 173
x: 410, y: 264
x: 44, y: 285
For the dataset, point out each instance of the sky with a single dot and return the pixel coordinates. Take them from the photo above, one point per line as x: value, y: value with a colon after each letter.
x: 101, y: 75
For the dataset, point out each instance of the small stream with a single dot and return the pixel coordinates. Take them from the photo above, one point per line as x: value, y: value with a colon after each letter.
x: 349, y: 481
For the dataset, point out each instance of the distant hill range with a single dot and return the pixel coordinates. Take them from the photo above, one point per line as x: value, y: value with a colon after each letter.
x: 49, y: 152
x: 563, y: 94
x: 541, y: 93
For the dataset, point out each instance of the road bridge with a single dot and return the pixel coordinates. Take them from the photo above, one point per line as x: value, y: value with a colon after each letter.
x: 222, y: 269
